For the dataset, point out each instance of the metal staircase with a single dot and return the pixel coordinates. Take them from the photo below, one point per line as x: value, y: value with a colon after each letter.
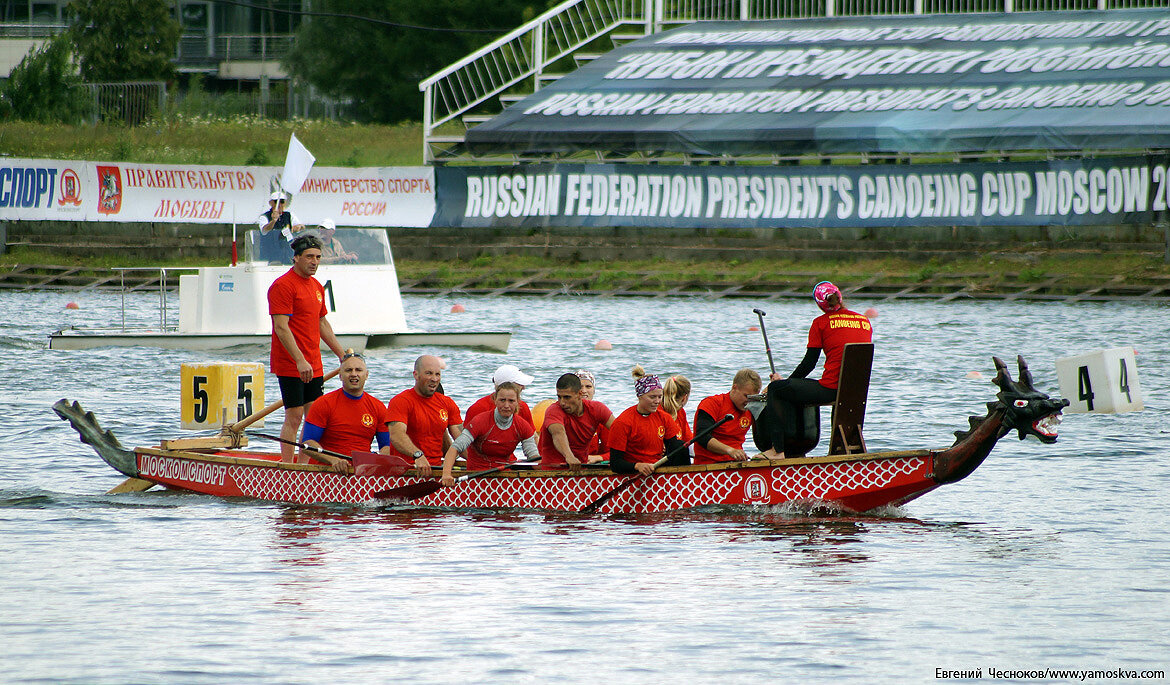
x: 481, y: 85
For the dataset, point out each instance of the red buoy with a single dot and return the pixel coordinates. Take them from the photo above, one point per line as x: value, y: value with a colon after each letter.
x: 457, y: 309
x: 603, y: 344
x: 72, y: 305
x: 871, y: 313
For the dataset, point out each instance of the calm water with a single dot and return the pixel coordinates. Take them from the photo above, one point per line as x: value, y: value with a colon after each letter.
x: 1046, y: 556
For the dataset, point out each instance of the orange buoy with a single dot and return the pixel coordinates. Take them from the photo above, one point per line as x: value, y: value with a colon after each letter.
x: 603, y: 344
x: 72, y: 305
x: 974, y: 375
x: 753, y: 328
x: 457, y: 309
x: 538, y: 413
x: 871, y: 313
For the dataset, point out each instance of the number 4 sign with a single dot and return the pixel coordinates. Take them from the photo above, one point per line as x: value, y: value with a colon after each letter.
x: 1102, y: 381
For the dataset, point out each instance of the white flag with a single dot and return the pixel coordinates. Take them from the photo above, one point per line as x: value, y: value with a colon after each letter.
x: 297, y: 164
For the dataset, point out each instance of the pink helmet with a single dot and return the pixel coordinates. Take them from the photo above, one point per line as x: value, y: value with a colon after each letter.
x: 821, y: 293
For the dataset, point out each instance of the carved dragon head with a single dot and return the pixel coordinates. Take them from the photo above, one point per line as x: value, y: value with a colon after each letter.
x: 1026, y: 409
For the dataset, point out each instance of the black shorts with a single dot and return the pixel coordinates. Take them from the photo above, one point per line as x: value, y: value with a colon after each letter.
x: 297, y: 393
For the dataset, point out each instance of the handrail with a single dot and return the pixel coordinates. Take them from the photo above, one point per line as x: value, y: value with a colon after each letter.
x: 519, y: 55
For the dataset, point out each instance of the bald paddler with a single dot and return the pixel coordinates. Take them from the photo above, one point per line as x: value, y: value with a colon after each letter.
x: 645, y: 432
x: 830, y: 332
x: 421, y: 417
x: 349, y: 418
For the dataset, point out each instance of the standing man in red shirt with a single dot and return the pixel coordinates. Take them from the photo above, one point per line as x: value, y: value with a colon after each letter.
x: 421, y: 417
x: 296, y: 303
x: 726, y: 441
x: 830, y: 332
x: 570, y: 425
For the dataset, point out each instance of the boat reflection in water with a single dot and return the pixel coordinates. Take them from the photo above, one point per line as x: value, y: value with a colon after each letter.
x: 221, y: 307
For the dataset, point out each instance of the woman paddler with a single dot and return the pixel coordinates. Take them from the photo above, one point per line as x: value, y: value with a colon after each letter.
x: 490, y: 438
x: 676, y: 391
x: 642, y: 434
x: 829, y: 332
x: 598, y: 449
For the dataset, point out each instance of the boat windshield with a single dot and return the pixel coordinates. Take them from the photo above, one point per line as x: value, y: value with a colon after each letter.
x: 342, y: 246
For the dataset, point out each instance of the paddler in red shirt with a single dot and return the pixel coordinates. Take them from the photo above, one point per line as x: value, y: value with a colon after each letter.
x: 570, y: 426
x: 726, y: 442
x: 421, y: 417
x: 490, y: 438
x: 347, y: 419
x: 597, y: 450
x: 296, y: 303
x: 486, y: 404
x: 645, y: 432
x: 830, y: 332
x: 676, y: 391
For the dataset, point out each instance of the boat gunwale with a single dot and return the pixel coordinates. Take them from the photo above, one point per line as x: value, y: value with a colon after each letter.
x: 216, y: 455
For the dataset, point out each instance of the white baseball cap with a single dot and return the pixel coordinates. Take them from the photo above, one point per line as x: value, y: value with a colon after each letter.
x: 509, y: 373
x: 277, y: 196
x: 328, y: 224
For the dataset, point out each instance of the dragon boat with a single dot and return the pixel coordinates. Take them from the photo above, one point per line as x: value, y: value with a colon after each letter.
x: 857, y: 482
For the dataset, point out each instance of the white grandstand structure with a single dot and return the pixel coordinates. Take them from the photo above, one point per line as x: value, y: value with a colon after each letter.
x: 480, y: 86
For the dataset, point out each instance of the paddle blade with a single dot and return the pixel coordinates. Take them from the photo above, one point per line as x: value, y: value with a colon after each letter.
x: 372, y: 464
x: 409, y: 493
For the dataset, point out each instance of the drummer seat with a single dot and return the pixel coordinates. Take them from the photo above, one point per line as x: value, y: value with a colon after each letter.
x: 852, y: 393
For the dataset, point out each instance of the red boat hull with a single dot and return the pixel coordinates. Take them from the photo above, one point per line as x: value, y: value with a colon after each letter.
x: 859, y: 483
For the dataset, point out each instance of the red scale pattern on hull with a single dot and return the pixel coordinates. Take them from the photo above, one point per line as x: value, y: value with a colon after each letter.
x: 856, y: 485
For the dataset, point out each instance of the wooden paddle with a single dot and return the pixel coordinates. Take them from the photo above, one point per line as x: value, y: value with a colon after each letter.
x: 302, y: 445
x: 767, y: 348
x: 409, y: 493
x: 596, y: 504
x: 139, y: 485
x: 239, y: 426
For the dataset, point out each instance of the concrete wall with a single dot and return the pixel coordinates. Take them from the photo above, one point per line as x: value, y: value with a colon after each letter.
x: 213, y: 241
x: 13, y: 50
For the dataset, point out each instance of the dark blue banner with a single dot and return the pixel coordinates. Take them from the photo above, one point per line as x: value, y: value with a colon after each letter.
x: 1102, y: 191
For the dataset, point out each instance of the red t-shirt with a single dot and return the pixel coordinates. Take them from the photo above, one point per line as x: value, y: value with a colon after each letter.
x: 494, y: 446
x: 579, y: 429
x: 426, y: 419
x: 831, y: 332
x: 681, y: 419
x: 302, y: 300
x: 733, y: 433
x: 486, y: 404
x: 350, y: 424
x: 642, y: 437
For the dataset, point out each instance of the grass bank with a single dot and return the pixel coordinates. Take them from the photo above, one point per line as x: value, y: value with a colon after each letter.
x: 210, y: 140
x: 1078, y: 269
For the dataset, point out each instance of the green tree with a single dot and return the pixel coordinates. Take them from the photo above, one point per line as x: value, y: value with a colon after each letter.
x: 378, y: 66
x: 124, y: 40
x: 45, y: 87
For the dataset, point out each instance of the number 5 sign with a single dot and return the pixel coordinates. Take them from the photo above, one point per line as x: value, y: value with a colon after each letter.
x: 208, y: 389
x: 1103, y: 381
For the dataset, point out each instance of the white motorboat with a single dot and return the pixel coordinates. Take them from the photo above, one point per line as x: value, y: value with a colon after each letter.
x: 222, y: 307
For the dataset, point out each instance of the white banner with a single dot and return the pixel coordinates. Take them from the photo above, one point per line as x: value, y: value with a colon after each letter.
x: 52, y: 190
